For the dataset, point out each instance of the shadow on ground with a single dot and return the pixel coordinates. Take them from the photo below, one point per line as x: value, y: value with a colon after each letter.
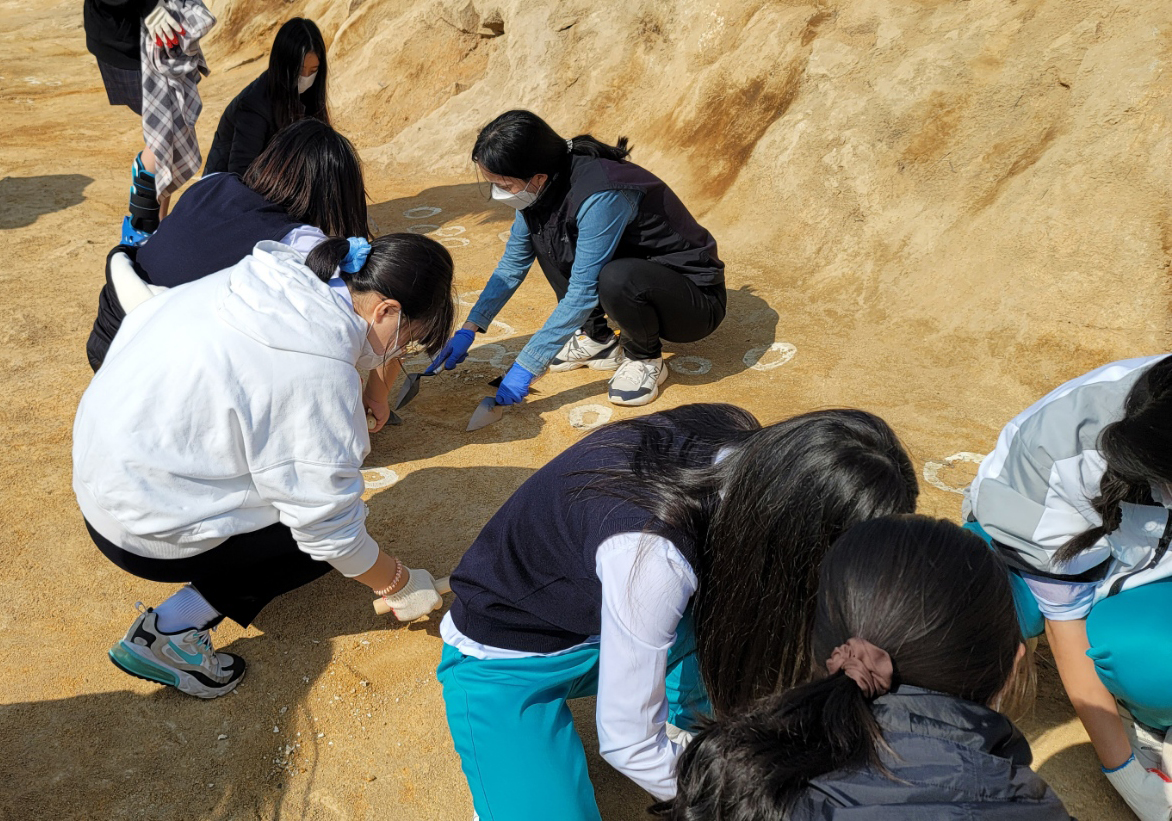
x: 24, y: 199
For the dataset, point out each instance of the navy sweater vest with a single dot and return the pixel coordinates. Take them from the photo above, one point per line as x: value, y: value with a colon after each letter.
x: 663, y: 231
x: 528, y: 582
x: 215, y: 225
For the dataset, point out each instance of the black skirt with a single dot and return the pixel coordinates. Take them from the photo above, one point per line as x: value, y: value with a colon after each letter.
x: 123, y: 86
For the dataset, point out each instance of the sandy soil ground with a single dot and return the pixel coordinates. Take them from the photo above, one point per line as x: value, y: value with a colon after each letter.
x: 340, y: 715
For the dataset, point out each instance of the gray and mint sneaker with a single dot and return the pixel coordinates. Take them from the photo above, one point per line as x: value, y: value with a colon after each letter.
x: 637, y: 381
x: 185, y: 660
x: 583, y: 352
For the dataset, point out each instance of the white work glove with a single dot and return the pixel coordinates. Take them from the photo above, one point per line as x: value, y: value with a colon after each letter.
x: 1143, y: 790
x: 416, y: 598
x: 163, y: 27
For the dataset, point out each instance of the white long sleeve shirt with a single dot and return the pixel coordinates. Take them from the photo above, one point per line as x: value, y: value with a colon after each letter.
x: 646, y: 586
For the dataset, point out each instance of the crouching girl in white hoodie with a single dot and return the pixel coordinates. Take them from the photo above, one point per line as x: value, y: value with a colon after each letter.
x: 222, y: 441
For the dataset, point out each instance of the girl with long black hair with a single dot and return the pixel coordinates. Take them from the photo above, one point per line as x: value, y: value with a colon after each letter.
x: 291, y: 88
x: 614, y: 242
x: 1076, y: 497
x: 918, y: 650
x: 306, y: 185
x: 591, y: 576
x: 240, y: 471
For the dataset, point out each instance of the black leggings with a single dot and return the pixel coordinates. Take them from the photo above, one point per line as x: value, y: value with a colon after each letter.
x: 238, y: 577
x: 649, y: 302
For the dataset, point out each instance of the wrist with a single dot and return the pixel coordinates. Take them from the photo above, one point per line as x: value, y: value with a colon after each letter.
x: 1108, y: 770
x: 397, y: 582
x: 471, y: 326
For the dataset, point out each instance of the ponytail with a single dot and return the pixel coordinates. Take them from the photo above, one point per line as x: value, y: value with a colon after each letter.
x: 755, y: 765
x: 931, y: 592
x: 1138, y: 452
x: 412, y: 269
x: 586, y: 146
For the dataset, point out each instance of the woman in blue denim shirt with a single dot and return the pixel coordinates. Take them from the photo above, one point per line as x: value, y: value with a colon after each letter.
x: 614, y: 242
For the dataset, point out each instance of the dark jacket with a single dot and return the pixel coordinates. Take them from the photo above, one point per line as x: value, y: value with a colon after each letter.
x: 112, y: 30
x: 954, y: 760
x: 663, y: 231
x: 245, y: 128
x: 215, y: 225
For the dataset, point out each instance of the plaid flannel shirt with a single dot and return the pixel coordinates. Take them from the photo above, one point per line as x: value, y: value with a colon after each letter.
x: 170, y: 96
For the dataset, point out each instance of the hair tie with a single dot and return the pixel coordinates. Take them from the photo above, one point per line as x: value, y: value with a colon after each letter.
x: 356, y: 257
x: 570, y: 146
x: 868, y: 666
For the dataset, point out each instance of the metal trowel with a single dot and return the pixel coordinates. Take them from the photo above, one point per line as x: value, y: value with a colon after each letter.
x: 410, y: 387
x: 487, y: 412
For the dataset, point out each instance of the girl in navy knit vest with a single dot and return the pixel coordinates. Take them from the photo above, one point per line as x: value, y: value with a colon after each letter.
x: 591, y: 576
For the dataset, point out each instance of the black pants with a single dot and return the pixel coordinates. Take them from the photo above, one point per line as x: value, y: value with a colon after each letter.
x: 649, y: 302
x: 238, y: 577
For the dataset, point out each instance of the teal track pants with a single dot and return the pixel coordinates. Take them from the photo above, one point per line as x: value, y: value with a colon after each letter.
x: 515, y: 735
x: 1130, y: 638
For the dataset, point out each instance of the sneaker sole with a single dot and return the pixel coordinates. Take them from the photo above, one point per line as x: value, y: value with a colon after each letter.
x: 126, y: 659
x: 642, y: 400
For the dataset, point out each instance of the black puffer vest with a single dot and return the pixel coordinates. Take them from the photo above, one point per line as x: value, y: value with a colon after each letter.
x: 662, y: 232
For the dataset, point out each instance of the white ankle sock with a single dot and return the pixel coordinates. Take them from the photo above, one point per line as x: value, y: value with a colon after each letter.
x: 185, y: 610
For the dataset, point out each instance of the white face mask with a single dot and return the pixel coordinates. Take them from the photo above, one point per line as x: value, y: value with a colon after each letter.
x: 521, y: 200
x: 305, y: 83
x: 368, y: 360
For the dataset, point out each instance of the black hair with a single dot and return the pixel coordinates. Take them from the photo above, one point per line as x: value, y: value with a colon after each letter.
x: 520, y: 144
x: 314, y: 173
x: 790, y: 491
x: 762, y: 518
x: 931, y: 594
x: 413, y: 269
x: 295, y: 39
x: 1138, y: 453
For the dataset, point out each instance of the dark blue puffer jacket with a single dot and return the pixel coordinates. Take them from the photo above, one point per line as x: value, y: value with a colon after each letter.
x: 953, y: 761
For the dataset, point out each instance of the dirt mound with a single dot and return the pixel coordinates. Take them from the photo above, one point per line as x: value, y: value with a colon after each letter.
x: 934, y: 210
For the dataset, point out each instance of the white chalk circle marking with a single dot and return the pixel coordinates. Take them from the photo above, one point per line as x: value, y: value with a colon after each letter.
x: 503, y: 236
x: 421, y: 212
x: 755, y: 357
x: 932, y: 469
x: 690, y: 365
x: 490, y: 353
x: 450, y: 231
x: 497, y: 329
x: 422, y: 228
x: 589, y: 417
x: 453, y: 242
x: 469, y: 297
x: 376, y: 478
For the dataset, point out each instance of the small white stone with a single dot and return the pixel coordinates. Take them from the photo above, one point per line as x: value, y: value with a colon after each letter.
x: 284, y: 710
x: 221, y: 737
x: 276, y: 729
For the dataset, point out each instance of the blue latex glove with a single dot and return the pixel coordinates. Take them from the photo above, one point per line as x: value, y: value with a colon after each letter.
x: 454, y: 352
x: 514, y: 387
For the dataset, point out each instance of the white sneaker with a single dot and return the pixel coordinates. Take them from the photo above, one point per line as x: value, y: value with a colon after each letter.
x: 637, y: 381
x: 184, y: 660
x: 583, y: 352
